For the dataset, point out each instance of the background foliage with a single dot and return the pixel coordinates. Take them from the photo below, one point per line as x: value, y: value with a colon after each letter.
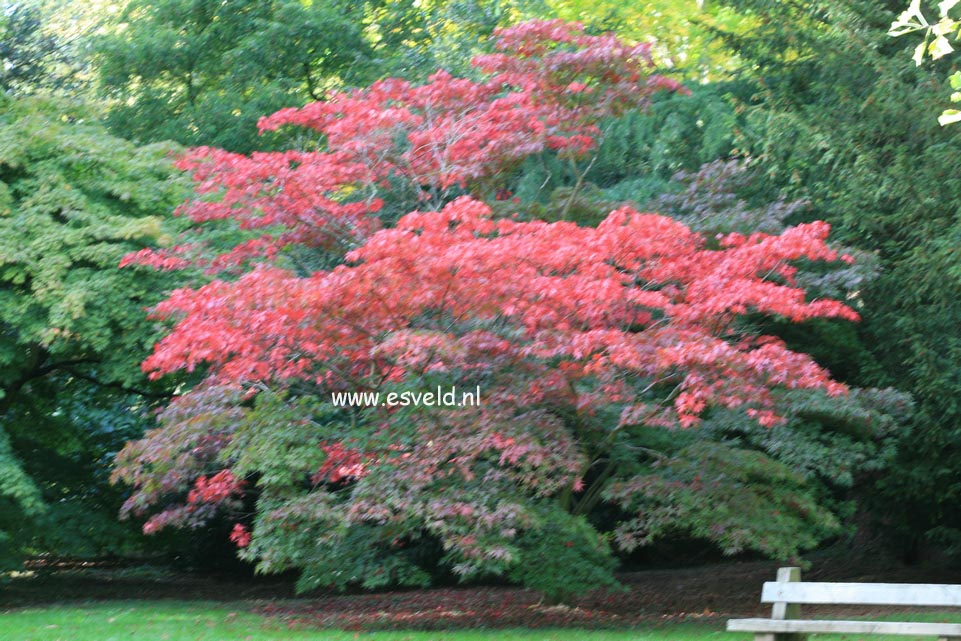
x: 73, y: 201
x: 865, y: 148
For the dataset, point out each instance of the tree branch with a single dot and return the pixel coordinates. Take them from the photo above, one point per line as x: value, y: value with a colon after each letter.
x: 119, y: 386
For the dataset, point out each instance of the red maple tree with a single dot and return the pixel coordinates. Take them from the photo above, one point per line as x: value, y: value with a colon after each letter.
x: 578, y: 336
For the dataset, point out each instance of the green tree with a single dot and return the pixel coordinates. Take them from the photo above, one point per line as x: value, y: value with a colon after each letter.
x: 681, y: 32
x: 935, y: 42
x: 201, y: 72
x: 415, y: 38
x: 32, y: 58
x: 73, y: 201
x: 830, y: 106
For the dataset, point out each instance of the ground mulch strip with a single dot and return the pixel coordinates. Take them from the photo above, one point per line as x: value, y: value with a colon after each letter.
x: 710, y: 594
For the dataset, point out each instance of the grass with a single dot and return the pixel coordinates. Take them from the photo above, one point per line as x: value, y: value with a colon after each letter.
x: 208, y: 621
x: 200, y: 621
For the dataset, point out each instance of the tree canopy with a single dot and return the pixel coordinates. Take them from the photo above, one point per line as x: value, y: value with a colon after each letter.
x: 200, y: 72
x: 589, y: 343
x: 73, y: 201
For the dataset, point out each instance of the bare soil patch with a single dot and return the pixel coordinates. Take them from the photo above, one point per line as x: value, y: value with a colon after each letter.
x: 709, y: 593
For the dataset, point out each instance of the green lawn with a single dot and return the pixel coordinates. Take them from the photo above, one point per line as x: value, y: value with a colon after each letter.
x: 201, y: 621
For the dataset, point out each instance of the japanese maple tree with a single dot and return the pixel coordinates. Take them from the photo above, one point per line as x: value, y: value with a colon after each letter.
x: 581, y: 339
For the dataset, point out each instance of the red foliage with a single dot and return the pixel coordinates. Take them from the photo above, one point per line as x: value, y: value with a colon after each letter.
x: 204, y: 498
x: 214, y: 489
x: 639, y: 314
x: 578, y: 79
x: 640, y: 294
x: 171, y: 460
x: 340, y: 464
x: 547, y: 89
x: 240, y: 535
